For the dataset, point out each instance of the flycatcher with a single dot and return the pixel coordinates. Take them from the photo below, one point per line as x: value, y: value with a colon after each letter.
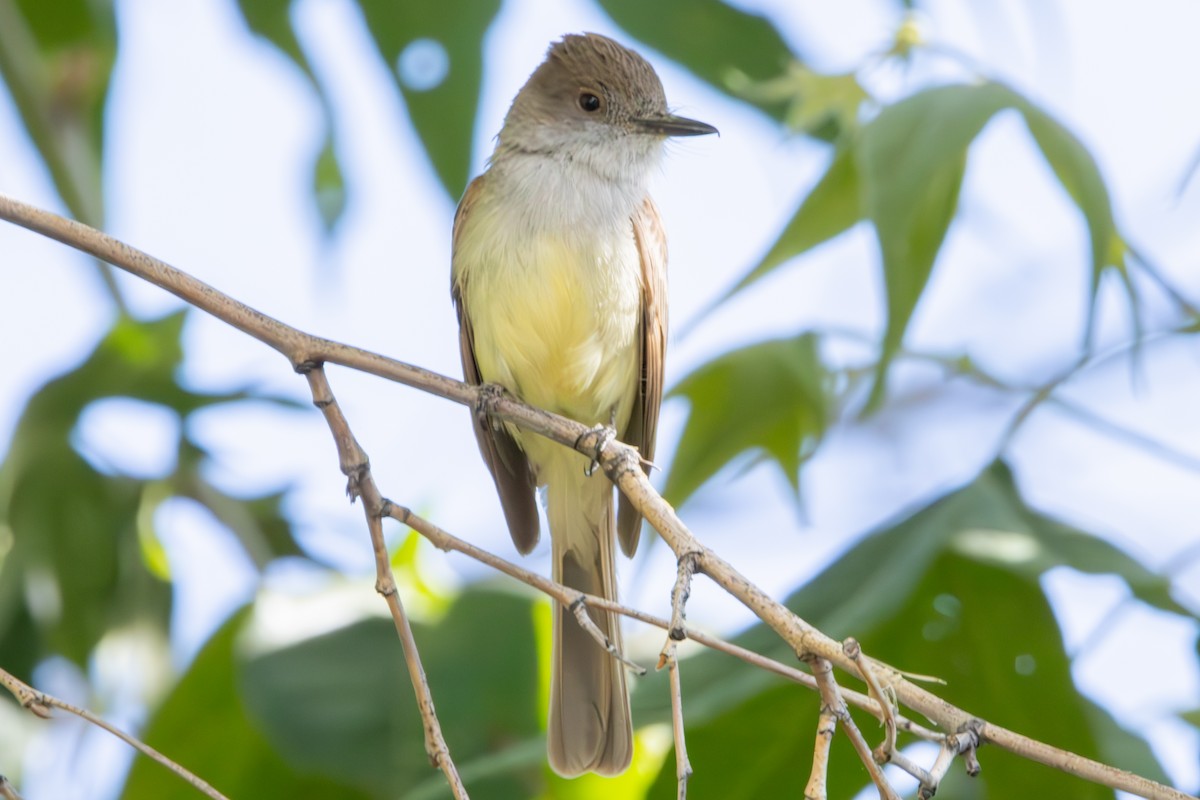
x: 560, y: 280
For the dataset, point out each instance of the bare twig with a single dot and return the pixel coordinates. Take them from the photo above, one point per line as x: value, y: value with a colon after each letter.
x: 831, y: 698
x: 680, y: 593
x: 357, y: 469
x: 958, y: 744
x: 937, y: 772
x: 578, y: 607
x: 818, y: 779
x: 40, y: 703
x: 683, y: 766
x: 911, y: 767
x: 621, y: 463
x: 887, y: 748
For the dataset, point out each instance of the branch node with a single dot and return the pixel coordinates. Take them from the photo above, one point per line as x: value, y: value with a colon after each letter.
x: 971, y: 761
x: 966, y: 741
x: 387, y: 507
x: 307, y: 365
x: 354, y: 479
x: 627, y: 461
x: 851, y: 647
x: 37, y: 704
x: 387, y: 587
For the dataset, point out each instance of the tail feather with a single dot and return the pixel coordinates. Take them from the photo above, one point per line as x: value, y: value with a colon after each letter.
x: 589, y: 727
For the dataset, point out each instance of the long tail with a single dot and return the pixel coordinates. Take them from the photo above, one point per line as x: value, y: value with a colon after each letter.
x: 589, y: 727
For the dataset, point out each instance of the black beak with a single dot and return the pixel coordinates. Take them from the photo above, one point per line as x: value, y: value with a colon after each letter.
x: 670, y: 125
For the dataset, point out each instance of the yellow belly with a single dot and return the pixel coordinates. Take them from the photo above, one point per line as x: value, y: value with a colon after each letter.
x: 557, y: 322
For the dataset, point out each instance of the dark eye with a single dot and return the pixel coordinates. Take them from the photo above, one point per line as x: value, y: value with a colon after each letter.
x: 589, y: 102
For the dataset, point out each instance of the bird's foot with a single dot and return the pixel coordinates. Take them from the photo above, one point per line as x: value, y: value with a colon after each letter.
x: 595, y: 440
x: 489, y: 393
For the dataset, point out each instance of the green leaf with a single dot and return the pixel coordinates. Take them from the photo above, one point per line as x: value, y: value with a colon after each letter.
x: 720, y: 44
x: 819, y: 105
x: 770, y: 398
x: 482, y: 668
x: 985, y: 522
x: 830, y: 209
x: 928, y: 594
x: 204, y: 726
x: 911, y: 158
x: 1005, y: 662
x: 1076, y: 170
x: 903, y: 171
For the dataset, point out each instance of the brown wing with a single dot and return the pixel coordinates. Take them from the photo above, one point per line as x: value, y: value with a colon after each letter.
x: 504, y: 458
x: 643, y: 422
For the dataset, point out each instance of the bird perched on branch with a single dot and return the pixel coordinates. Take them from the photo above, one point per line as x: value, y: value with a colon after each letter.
x: 559, y: 277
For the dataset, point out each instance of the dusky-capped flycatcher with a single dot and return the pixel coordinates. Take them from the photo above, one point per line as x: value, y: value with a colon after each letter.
x: 560, y: 281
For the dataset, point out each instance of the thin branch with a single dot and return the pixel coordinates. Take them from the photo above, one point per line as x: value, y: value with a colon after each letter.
x: 621, y: 463
x: 1087, y: 361
x: 444, y: 540
x: 818, y: 778
x: 1156, y: 275
x: 953, y: 746
x: 887, y: 749
x: 680, y: 593
x: 683, y: 766
x: 831, y: 699
x: 357, y: 468
x: 1136, y: 438
x: 1046, y: 393
x: 40, y: 703
x: 578, y: 607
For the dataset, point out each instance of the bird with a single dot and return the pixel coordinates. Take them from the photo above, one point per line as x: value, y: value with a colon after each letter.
x: 559, y: 280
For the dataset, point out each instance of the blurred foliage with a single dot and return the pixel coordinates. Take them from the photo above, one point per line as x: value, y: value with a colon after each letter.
x: 331, y: 715
x: 772, y: 398
x: 56, y: 60
x: 903, y: 170
x: 78, y: 565
x: 417, y: 40
x: 713, y: 40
